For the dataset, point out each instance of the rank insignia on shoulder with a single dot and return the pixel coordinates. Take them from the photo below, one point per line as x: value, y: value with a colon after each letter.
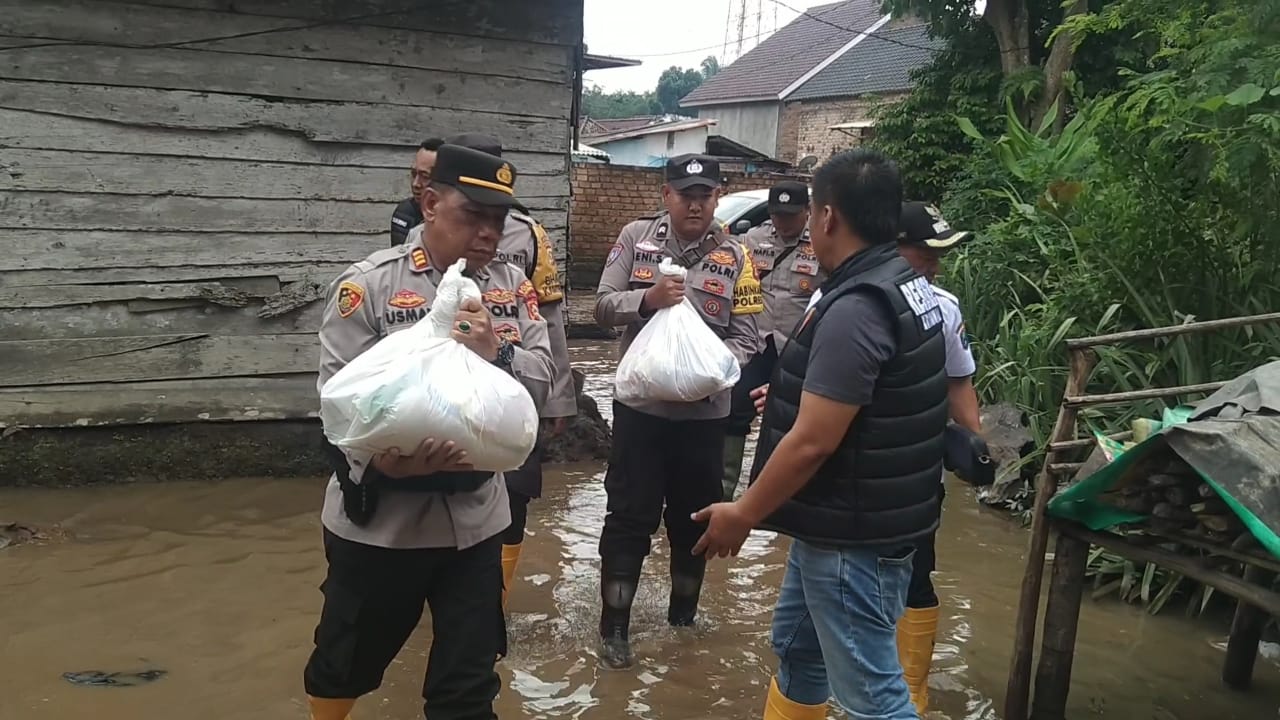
x: 419, y: 259
x: 350, y: 298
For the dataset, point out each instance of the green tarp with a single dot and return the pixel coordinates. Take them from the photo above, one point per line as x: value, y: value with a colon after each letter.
x: 1231, y: 439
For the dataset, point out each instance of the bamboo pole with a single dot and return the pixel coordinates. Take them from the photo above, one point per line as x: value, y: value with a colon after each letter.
x: 1148, y: 394
x: 1246, y: 633
x: 1018, y: 691
x: 1234, y: 586
x: 1088, y: 442
x: 1172, y: 331
x: 1061, y: 621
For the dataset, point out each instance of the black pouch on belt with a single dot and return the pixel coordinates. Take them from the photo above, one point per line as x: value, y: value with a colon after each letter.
x: 359, y: 500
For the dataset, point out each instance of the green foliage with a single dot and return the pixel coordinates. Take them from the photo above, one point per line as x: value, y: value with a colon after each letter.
x: 921, y: 132
x: 596, y: 103
x: 1156, y: 205
x: 673, y: 84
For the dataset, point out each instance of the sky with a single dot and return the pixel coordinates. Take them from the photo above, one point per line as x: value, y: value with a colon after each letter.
x: 662, y: 33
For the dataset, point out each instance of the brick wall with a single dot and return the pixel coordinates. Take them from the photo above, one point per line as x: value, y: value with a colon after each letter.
x: 607, y: 197
x: 804, y: 128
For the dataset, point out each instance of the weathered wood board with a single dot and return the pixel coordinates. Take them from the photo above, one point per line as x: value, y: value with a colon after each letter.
x: 293, y: 78
x: 543, y: 21
x: 210, y: 399
x: 182, y: 180
x: 173, y: 213
x: 49, y: 111
x: 155, y: 357
x: 107, y: 22
x: 74, y: 171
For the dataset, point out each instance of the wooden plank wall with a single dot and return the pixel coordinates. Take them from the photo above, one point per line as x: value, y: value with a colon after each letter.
x: 181, y: 179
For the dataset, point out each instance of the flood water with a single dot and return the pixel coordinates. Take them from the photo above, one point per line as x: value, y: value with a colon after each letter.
x: 216, y: 584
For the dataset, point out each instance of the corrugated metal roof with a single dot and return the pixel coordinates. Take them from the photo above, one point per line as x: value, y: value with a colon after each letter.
x: 880, y: 63
x: 788, y: 54
x: 674, y: 126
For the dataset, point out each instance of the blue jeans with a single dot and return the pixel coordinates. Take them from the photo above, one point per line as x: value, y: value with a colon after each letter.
x: 834, y: 629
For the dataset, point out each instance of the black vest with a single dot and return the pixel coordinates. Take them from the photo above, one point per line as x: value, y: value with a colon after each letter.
x: 881, y: 484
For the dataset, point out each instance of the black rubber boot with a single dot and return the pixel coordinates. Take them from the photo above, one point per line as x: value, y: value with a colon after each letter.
x: 734, y: 448
x: 618, y: 580
x: 687, y: 571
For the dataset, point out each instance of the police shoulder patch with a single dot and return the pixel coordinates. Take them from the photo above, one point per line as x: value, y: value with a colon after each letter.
x: 546, y: 276
x: 349, y: 298
x: 614, y: 253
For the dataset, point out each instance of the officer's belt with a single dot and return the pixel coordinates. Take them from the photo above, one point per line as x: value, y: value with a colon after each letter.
x: 360, y: 500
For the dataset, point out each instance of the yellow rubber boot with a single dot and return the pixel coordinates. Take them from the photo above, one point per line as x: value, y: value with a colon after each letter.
x: 330, y: 709
x: 916, y: 632
x: 510, y: 557
x: 780, y: 707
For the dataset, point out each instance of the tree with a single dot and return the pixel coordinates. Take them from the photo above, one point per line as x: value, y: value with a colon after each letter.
x: 597, y: 103
x: 674, y: 84
x: 710, y: 66
x: 1023, y: 30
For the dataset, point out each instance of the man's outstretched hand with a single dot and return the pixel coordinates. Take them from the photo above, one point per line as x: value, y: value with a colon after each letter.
x: 727, y: 529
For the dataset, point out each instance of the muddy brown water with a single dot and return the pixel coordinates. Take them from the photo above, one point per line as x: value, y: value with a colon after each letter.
x: 216, y: 583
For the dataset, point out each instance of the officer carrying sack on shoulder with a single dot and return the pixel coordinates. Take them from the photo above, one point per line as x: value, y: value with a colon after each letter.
x: 360, y: 500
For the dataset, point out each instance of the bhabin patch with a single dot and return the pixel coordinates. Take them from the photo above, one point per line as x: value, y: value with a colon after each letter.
x: 419, y: 259
x: 546, y: 277
x: 748, y: 298
x: 350, y: 298
x: 407, y: 299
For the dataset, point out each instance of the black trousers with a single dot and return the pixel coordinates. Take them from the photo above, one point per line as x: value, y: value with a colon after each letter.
x: 758, y: 371
x: 656, y: 462
x: 514, y: 534
x: 921, y: 593
x: 373, y: 600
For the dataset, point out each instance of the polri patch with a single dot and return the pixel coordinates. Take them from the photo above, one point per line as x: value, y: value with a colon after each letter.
x: 614, y: 253
x: 350, y: 298
x: 922, y: 301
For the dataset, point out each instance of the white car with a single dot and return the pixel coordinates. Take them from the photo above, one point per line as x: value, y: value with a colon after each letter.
x: 739, y: 212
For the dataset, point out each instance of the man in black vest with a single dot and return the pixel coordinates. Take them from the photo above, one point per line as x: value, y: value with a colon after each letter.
x: 408, y: 214
x: 849, y: 455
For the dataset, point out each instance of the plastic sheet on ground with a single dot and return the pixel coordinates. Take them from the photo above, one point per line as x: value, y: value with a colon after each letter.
x: 1231, y: 439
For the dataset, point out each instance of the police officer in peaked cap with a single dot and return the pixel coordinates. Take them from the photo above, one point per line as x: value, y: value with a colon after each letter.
x: 525, y: 244
x: 669, y: 454
x: 924, y: 238
x: 789, y: 274
x: 408, y: 214
x: 419, y: 526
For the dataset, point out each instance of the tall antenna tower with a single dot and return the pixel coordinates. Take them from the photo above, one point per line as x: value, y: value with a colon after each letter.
x: 746, y: 24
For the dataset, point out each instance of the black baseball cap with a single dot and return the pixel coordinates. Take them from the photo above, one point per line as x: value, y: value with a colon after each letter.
x: 685, y: 171
x: 483, y: 178
x: 478, y: 141
x: 788, y: 198
x: 923, y: 224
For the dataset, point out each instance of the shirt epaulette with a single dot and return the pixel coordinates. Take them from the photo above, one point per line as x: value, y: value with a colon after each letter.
x: 383, y: 256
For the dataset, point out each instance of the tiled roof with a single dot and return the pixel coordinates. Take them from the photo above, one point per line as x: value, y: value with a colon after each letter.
x: 880, y: 63
x: 788, y: 54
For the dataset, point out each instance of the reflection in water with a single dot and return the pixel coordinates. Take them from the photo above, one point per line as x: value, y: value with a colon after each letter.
x: 216, y: 585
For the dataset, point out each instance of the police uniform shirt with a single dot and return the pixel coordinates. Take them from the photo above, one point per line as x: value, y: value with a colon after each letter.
x: 386, y: 293
x: 525, y: 244
x: 721, y: 285
x: 960, y: 362
x: 789, y: 275
x: 407, y: 215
